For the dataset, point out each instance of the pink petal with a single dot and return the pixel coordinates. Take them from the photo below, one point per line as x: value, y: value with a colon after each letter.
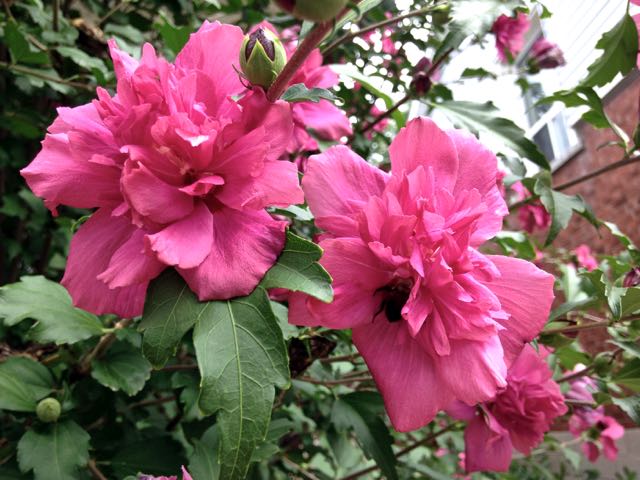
x: 151, y: 197
x: 187, y: 242
x: 487, y: 446
x: 203, y: 186
x: 338, y: 184
x: 89, y: 255
x: 213, y: 49
x: 244, y: 246
x: 478, y: 169
x: 328, y: 121
x: 404, y: 373
x: 130, y: 264
x: 526, y: 294
x: 422, y: 142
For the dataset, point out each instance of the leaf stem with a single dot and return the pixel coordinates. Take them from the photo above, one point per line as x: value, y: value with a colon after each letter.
x: 103, y: 344
x: 299, y: 469
x: 575, y: 375
x: 576, y: 328
x: 95, y: 471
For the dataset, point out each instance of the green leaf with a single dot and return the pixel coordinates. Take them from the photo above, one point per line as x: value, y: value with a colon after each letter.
x: 483, y: 118
x: 517, y: 243
x: 21, y: 51
x: 300, y: 93
x: 203, y: 462
x: 354, y: 14
x: 630, y: 301
x: 22, y: 383
x: 631, y: 348
x: 241, y: 356
x: 297, y: 270
x: 352, y: 72
x: 173, y: 37
x: 630, y: 406
x: 620, y: 50
x: 54, y: 452
x: 122, y: 368
x: 360, y: 411
x: 629, y: 375
x: 170, y: 311
x: 153, y: 456
x: 83, y: 60
x: 50, y: 305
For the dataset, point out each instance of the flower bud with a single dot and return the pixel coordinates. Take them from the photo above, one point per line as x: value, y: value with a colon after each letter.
x: 632, y: 279
x: 421, y: 83
x: 262, y: 57
x: 545, y: 54
x: 313, y: 10
x: 48, y: 410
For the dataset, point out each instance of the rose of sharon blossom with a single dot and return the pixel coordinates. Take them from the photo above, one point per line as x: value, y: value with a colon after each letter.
x: 599, y: 430
x: 546, y: 55
x: 434, y: 318
x: 179, y: 171
x: 324, y: 118
x: 585, y: 259
x: 517, y: 418
x: 509, y: 34
x: 532, y: 216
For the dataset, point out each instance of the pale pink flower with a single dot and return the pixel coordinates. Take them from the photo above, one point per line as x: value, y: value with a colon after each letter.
x: 585, y: 259
x: 509, y: 32
x: 327, y: 121
x: 517, y: 418
x: 599, y: 430
x: 532, y: 216
x: 434, y: 318
x: 180, y: 172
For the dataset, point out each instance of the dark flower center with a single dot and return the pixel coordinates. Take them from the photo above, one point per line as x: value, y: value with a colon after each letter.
x: 395, y: 295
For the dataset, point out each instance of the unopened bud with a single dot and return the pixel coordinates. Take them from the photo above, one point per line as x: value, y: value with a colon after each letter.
x: 48, y: 410
x: 313, y: 10
x: 262, y: 57
x: 421, y: 83
x: 545, y: 55
x: 632, y: 279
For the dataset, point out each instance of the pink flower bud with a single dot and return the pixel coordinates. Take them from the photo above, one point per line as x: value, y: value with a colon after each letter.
x: 632, y: 279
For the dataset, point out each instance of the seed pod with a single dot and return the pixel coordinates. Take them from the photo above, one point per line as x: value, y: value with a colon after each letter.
x: 262, y: 57
x: 313, y: 10
x: 48, y: 410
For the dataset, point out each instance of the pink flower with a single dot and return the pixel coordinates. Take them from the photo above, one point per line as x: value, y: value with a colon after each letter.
x: 532, y: 216
x: 636, y: 19
x: 585, y: 258
x: 599, y: 430
x: 517, y: 417
x: 180, y: 172
x: 509, y: 34
x: 326, y: 120
x: 379, y: 127
x: 434, y: 318
x: 545, y: 55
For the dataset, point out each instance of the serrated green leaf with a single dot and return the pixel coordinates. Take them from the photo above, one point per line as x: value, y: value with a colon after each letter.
x: 241, y: 356
x: 483, y: 118
x: 170, y: 311
x: 620, y: 50
x: 122, y: 368
x: 54, y: 452
x: 630, y: 406
x: 297, y: 270
x: 83, y: 60
x: 360, y: 411
x: 50, y: 305
x: 300, y: 93
x: 22, y: 383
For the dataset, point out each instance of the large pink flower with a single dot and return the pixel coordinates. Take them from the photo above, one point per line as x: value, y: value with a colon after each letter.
x: 180, y: 172
x: 517, y: 418
x: 598, y: 429
x: 326, y: 120
x: 434, y: 318
x: 509, y: 32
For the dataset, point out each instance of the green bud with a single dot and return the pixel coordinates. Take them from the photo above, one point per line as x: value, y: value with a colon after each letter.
x: 313, y: 10
x: 262, y: 57
x: 602, y: 364
x: 48, y: 410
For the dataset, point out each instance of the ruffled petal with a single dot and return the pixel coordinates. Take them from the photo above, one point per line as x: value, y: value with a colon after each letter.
x: 187, y: 242
x: 338, y: 184
x: 526, y: 294
x: 90, y: 253
x: 244, y: 246
x: 404, y: 373
x: 423, y: 143
x: 487, y: 446
x: 328, y: 121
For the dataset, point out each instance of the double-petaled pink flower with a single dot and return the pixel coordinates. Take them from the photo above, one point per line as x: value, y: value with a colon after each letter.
x: 509, y: 33
x: 599, y: 430
x: 435, y: 319
x: 517, y: 418
x: 180, y: 172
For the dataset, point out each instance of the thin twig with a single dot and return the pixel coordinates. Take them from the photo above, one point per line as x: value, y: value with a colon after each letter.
x: 178, y: 368
x: 103, y: 344
x: 56, y: 12
x: 341, y: 381
x: 576, y: 328
x: 117, y: 7
x: 299, y: 469
x: 620, y: 163
x: 578, y: 374
x: 579, y: 403
x: 152, y: 402
x: 341, y: 358
x: 345, y: 38
x: 43, y: 76
x: 93, y: 468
